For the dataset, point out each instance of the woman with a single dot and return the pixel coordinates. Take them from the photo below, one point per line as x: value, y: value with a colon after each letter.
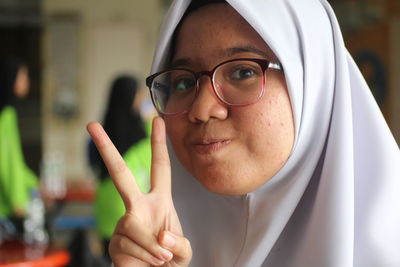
x: 125, y: 127
x: 16, y: 179
x: 301, y: 172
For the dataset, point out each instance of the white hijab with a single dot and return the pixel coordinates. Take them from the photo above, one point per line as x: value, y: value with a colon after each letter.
x: 336, y: 202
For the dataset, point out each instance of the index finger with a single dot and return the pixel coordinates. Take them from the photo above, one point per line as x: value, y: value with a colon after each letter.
x: 160, y: 164
x: 121, y: 175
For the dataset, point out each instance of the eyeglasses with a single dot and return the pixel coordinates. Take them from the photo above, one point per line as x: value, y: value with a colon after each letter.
x: 235, y: 82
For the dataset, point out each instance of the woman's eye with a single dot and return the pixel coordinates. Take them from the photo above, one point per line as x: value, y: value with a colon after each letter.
x: 242, y: 73
x: 183, y: 84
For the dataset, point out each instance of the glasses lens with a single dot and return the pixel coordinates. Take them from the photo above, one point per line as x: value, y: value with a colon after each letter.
x: 239, y: 82
x: 173, y: 91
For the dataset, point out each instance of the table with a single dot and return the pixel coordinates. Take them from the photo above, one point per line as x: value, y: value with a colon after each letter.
x: 16, y: 253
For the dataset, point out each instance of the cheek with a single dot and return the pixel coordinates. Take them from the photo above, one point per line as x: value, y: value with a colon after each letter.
x: 260, y: 139
x: 270, y: 136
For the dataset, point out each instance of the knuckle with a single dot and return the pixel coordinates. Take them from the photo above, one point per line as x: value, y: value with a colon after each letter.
x: 124, y: 225
x: 123, y: 244
x: 186, y: 248
x: 118, y: 249
x: 161, y: 161
x: 115, y: 244
x: 119, y: 167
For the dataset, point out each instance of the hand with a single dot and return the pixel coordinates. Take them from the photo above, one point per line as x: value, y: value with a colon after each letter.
x: 150, y: 232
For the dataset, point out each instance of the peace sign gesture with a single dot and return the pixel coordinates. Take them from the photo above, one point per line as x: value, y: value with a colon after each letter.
x: 150, y: 232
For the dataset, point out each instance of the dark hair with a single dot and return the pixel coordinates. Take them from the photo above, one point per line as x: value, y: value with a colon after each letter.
x: 123, y: 125
x: 9, y: 67
x: 196, y: 4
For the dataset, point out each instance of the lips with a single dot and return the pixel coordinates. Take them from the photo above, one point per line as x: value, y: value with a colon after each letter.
x: 208, y: 146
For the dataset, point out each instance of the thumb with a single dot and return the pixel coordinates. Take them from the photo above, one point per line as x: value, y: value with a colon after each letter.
x: 178, y: 245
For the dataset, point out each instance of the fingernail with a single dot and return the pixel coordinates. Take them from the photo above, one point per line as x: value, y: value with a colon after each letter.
x: 169, y: 241
x: 157, y: 261
x: 166, y: 254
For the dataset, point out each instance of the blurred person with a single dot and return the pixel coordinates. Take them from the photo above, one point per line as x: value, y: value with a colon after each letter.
x: 125, y: 126
x: 16, y: 179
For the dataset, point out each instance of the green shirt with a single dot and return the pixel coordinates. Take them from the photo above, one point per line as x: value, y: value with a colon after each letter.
x: 16, y: 179
x: 109, y: 207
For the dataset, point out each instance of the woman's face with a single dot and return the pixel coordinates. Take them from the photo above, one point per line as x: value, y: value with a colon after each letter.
x: 229, y: 150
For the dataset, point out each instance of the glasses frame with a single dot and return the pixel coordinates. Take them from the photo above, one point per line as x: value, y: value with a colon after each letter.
x: 263, y: 63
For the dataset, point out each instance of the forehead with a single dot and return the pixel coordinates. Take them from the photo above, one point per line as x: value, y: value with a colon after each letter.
x: 219, y: 13
x: 214, y: 29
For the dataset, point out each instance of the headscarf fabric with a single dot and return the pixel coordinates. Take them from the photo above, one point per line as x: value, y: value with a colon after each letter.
x: 336, y: 201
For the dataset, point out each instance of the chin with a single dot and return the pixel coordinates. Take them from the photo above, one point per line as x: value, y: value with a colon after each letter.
x: 223, y: 185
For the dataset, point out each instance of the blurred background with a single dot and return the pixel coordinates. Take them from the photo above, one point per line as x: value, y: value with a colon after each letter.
x: 75, y: 48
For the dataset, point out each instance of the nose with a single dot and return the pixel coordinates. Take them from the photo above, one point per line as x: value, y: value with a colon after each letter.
x: 207, y: 105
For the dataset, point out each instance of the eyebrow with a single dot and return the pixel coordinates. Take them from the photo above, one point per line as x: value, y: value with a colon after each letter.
x: 181, y: 62
x: 243, y: 49
x: 229, y: 52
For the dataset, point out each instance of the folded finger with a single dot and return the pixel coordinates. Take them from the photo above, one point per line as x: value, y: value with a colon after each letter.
x: 178, y: 245
x: 125, y: 252
x: 133, y: 228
